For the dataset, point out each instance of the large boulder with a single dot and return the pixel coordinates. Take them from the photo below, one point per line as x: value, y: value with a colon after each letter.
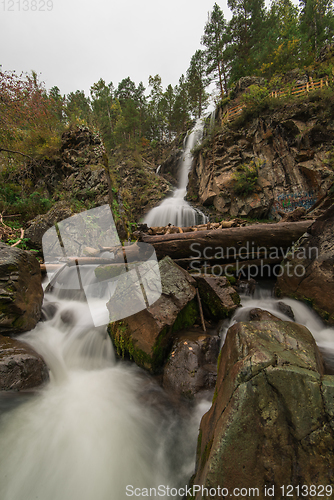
x: 219, y: 299
x: 40, y: 224
x: 192, y: 364
x: 20, y: 366
x: 146, y: 337
x: 21, y: 292
x: 308, y: 271
x: 272, y: 418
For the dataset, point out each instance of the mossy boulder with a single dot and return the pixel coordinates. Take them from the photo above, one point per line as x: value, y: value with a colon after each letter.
x: 21, y: 292
x: 146, y: 337
x: 219, y: 299
x: 272, y: 419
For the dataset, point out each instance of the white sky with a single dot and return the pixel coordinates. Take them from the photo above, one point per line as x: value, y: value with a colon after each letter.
x: 80, y: 41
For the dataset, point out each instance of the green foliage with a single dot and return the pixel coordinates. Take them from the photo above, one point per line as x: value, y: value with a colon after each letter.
x: 197, y: 82
x: 23, y: 244
x: 255, y: 94
x: 31, y: 119
x: 13, y: 201
x: 215, y: 40
x: 245, y: 179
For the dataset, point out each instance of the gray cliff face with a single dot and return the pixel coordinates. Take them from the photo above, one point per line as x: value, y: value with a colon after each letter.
x: 291, y: 147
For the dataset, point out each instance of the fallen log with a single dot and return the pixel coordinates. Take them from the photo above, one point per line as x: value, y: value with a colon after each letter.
x: 236, y: 242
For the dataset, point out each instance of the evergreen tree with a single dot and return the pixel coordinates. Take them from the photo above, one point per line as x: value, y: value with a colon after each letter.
x: 102, y: 98
x: 316, y: 26
x: 167, y: 107
x: 215, y: 39
x: 197, y: 82
x: 247, y: 30
x: 181, y: 106
x: 157, y: 123
x: 77, y: 106
x: 132, y: 100
x: 281, y: 52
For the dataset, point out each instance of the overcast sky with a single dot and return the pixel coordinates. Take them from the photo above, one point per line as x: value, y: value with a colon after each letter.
x: 77, y: 42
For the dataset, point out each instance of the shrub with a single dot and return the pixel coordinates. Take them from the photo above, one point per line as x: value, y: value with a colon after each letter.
x: 245, y: 179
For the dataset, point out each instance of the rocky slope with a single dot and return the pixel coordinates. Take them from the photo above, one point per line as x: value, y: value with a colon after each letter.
x: 289, y: 145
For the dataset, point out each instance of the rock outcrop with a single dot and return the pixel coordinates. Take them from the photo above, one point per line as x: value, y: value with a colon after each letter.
x: 308, y: 271
x: 219, y: 299
x: 21, y: 292
x: 20, y: 366
x: 40, y: 224
x: 192, y: 364
x: 272, y: 418
x: 146, y: 337
x: 290, y: 148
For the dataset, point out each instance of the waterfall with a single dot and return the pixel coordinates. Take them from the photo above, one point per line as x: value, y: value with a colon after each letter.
x: 100, y: 426
x: 176, y: 210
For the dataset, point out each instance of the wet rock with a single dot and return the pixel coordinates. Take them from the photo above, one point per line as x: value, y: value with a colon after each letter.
x: 271, y: 422
x: 40, y: 224
x: 21, y: 292
x: 170, y: 168
x: 247, y: 81
x: 286, y: 309
x: 68, y: 317
x: 146, y: 337
x: 219, y: 299
x: 308, y: 271
x: 49, y: 310
x: 258, y: 314
x: 20, y: 366
x: 192, y: 365
x: 245, y: 287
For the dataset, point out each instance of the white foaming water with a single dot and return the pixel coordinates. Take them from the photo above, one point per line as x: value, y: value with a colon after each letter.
x: 176, y: 210
x: 304, y: 315
x: 91, y: 431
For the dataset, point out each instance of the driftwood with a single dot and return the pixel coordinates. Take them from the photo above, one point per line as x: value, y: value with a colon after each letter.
x: 170, y: 229
x: 244, y: 242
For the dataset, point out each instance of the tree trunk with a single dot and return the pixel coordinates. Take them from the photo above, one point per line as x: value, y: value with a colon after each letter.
x: 237, y: 242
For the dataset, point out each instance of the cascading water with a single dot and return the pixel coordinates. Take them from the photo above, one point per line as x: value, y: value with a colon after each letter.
x: 98, y: 427
x: 176, y: 210
x: 303, y: 314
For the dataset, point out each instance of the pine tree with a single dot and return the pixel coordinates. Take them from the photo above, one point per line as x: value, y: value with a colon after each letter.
x: 181, y: 106
x: 197, y: 82
x: 281, y: 52
x: 215, y: 39
x: 247, y: 30
x: 316, y: 25
x: 77, y: 106
x: 167, y: 104
x: 102, y: 98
